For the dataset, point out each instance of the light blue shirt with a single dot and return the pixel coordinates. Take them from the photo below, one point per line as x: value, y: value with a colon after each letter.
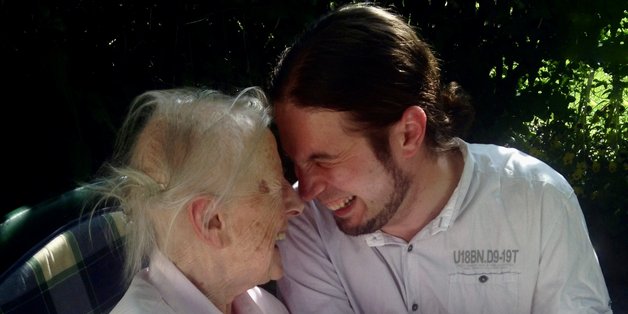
x: 511, y: 239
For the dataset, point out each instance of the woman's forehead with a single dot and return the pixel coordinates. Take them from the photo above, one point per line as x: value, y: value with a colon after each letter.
x: 267, y: 171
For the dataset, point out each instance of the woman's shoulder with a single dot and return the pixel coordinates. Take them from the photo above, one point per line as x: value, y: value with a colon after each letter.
x: 141, y: 297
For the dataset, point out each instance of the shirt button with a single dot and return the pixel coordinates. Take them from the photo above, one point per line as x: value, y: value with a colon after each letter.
x: 410, y: 247
x: 415, y: 307
x: 483, y: 278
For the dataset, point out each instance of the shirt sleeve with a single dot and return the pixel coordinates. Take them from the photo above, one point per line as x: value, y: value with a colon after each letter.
x: 310, y: 283
x: 570, y: 279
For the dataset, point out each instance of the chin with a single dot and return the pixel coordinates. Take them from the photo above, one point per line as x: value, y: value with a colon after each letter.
x: 359, y: 229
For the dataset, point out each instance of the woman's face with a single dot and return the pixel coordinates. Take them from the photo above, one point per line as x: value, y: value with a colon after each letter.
x: 259, y: 220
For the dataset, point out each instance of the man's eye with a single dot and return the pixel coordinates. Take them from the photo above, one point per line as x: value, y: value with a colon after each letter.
x: 325, y: 164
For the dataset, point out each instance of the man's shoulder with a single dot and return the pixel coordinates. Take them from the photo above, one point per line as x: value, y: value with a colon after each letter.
x: 495, y: 154
x: 512, y: 164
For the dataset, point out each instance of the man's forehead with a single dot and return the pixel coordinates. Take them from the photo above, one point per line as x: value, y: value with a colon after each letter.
x: 310, y: 134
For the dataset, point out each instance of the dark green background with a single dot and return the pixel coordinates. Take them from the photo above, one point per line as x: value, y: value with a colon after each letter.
x: 71, y: 68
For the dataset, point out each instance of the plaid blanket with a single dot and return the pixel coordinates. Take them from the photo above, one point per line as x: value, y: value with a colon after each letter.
x: 76, y: 270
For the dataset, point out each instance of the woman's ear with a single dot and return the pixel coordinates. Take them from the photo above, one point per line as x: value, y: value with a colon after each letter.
x: 409, y: 131
x: 207, y: 221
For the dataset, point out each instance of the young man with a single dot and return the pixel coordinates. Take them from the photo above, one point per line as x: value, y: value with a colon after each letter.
x: 404, y: 216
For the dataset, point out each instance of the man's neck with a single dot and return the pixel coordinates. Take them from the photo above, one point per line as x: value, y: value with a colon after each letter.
x: 434, y: 181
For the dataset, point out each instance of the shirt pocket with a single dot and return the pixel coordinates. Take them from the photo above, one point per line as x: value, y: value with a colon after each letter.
x: 480, y: 292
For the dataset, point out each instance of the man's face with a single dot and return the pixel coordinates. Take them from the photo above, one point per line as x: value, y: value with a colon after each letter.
x: 339, y: 169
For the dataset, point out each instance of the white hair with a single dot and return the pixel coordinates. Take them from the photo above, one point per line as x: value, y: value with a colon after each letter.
x: 174, y: 146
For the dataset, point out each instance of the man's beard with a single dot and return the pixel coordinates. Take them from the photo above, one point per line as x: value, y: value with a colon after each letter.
x: 400, y: 189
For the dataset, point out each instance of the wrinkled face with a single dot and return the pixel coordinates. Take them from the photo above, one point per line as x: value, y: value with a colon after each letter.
x: 339, y: 169
x: 260, y: 218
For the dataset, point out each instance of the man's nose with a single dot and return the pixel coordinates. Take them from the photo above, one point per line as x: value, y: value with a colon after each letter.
x: 310, y: 185
x: 294, y: 205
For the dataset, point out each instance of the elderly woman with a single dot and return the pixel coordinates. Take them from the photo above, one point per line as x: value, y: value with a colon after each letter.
x: 201, y: 183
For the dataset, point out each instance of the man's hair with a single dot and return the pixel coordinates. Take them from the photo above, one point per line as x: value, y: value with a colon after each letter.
x: 176, y: 145
x: 367, y: 61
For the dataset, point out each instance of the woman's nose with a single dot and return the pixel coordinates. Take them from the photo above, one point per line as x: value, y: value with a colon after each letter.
x: 293, y: 204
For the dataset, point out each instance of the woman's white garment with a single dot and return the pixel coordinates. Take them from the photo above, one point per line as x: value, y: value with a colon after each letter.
x: 162, y: 288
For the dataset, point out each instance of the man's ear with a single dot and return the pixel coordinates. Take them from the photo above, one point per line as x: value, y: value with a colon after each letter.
x: 409, y: 131
x: 208, y: 222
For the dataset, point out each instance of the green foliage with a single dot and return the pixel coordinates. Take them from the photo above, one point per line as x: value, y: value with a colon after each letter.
x: 580, y: 128
x: 585, y: 137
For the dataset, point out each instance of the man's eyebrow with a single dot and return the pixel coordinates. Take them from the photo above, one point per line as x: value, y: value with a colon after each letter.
x: 313, y: 157
x: 320, y: 156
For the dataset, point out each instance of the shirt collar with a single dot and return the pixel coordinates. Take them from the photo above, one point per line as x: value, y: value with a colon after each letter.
x: 454, y: 208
